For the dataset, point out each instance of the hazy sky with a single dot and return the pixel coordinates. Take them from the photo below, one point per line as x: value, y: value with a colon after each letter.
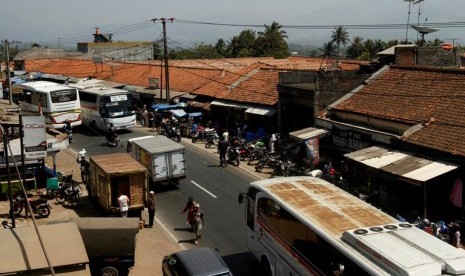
x: 49, y: 22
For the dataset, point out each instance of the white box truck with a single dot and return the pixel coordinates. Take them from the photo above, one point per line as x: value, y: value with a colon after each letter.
x: 163, y: 157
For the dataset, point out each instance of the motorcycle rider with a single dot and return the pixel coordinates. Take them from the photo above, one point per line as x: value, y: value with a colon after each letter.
x: 111, y: 133
x: 68, y: 129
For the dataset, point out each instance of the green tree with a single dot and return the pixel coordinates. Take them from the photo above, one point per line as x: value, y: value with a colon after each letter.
x: 241, y: 45
x: 356, y: 48
x: 329, y: 49
x: 434, y: 43
x: 220, y: 47
x: 271, y: 42
x: 340, y: 36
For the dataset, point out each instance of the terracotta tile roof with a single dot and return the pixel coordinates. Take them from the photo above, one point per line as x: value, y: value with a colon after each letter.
x: 250, y: 80
x: 417, y: 95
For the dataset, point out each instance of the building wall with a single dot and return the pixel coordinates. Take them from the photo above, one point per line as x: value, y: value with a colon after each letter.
x: 119, y: 51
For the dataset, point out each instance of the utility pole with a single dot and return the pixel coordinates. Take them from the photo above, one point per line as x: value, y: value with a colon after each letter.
x: 7, y: 49
x: 165, y: 50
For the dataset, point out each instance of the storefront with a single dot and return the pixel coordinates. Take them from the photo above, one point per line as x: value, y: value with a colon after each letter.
x: 401, y: 183
x: 308, y: 144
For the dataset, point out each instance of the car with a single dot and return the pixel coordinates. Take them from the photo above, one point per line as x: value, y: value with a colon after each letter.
x: 202, y: 261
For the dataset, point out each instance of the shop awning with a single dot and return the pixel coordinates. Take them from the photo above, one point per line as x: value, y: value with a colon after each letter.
x: 308, y: 133
x: 195, y: 114
x: 250, y: 108
x: 163, y: 106
x: 178, y: 112
x: 401, y: 164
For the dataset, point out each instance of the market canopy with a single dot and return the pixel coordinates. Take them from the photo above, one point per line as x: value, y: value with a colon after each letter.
x: 163, y: 106
x: 250, y: 108
x: 399, y: 163
x: 308, y: 133
x: 178, y: 112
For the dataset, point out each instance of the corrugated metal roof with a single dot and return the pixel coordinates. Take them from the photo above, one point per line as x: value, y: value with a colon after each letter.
x: 400, y: 163
x: 308, y: 133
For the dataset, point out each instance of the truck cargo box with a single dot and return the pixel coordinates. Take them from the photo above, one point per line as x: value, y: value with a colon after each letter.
x: 163, y: 158
x: 113, y: 173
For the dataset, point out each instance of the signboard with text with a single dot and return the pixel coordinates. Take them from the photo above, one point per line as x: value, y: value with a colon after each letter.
x: 35, y: 139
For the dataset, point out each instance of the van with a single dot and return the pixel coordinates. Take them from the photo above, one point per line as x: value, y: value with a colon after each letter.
x: 202, y: 261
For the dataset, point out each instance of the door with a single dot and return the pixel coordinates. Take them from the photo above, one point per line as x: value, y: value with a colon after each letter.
x: 178, y: 167
x: 160, y: 167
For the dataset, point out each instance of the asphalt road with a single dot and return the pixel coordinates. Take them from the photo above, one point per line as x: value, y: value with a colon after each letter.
x: 214, y: 187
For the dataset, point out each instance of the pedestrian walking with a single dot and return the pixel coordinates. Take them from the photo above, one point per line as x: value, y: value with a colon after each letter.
x: 151, y: 208
x: 222, y: 149
x: 189, y: 208
x: 199, y: 222
x: 123, y: 202
x: 145, y: 118
x: 151, y: 116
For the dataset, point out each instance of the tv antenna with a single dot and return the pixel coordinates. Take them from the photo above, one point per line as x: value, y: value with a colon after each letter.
x: 408, y: 18
x: 419, y: 13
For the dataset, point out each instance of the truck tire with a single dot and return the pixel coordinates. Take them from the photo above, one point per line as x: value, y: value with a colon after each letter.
x: 109, y: 271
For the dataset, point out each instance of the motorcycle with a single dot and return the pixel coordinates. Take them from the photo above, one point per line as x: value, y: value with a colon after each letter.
x: 233, y: 155
x: 39, y: 206
x: 69, y: 191
x: 211, y: 140
x: 174, y: 133
x: 112, y: 140
x: 282, y: 168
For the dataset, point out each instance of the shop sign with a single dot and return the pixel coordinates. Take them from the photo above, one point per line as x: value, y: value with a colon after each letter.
x: 350, y: 139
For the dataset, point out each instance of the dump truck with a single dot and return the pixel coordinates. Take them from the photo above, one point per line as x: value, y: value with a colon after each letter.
x: 162, y: 157
x: 110, y: 243
x: 117, y: 172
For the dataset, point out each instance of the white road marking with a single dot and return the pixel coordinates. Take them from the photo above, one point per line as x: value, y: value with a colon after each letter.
x: 205, y: 190
x: 169, y: 233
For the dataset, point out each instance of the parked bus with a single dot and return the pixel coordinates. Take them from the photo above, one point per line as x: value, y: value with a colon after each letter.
x: 57, y: 102
x: 307, y: 226
x: 103, y: 105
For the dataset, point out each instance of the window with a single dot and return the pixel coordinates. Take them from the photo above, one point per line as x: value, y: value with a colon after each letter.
x: 62, y: 96
x: 86, y: 97
x: 306, y: 243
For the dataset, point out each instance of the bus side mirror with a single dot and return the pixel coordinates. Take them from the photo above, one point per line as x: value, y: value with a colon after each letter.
x: 240, y: 198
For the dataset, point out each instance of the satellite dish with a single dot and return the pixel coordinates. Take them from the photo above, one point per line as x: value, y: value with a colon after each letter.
x: 424, y: 30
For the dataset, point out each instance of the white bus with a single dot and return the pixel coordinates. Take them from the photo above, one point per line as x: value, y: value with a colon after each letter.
x: 57, y: 102
x: 103, y: 105
x: 307, y: 226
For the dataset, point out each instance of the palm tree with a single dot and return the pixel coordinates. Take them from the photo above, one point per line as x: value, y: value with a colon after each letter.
x: 329, y: 49
x: 271, y: 42
x: 356, y: 48
x: 340, y: 36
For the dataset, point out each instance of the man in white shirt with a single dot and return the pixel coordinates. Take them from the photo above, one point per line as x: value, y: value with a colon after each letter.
x: 123, y: 202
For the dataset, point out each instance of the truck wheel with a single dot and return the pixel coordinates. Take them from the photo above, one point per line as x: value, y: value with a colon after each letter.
x: 109, y: 271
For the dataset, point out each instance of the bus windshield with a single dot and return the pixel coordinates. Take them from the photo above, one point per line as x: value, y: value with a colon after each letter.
x: 62, y: 96
x: 117, y: 105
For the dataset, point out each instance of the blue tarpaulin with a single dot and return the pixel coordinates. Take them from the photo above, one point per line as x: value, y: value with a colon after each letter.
x: 163, y: 106
x: 195, y: 114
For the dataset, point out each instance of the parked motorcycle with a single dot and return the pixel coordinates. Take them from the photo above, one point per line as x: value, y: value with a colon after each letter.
x: 233, y: 155
x: 282, y: 168
x: 266, y: 161
x: 174, y: 133
x: 39, y: 205
x: 211, y: 140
